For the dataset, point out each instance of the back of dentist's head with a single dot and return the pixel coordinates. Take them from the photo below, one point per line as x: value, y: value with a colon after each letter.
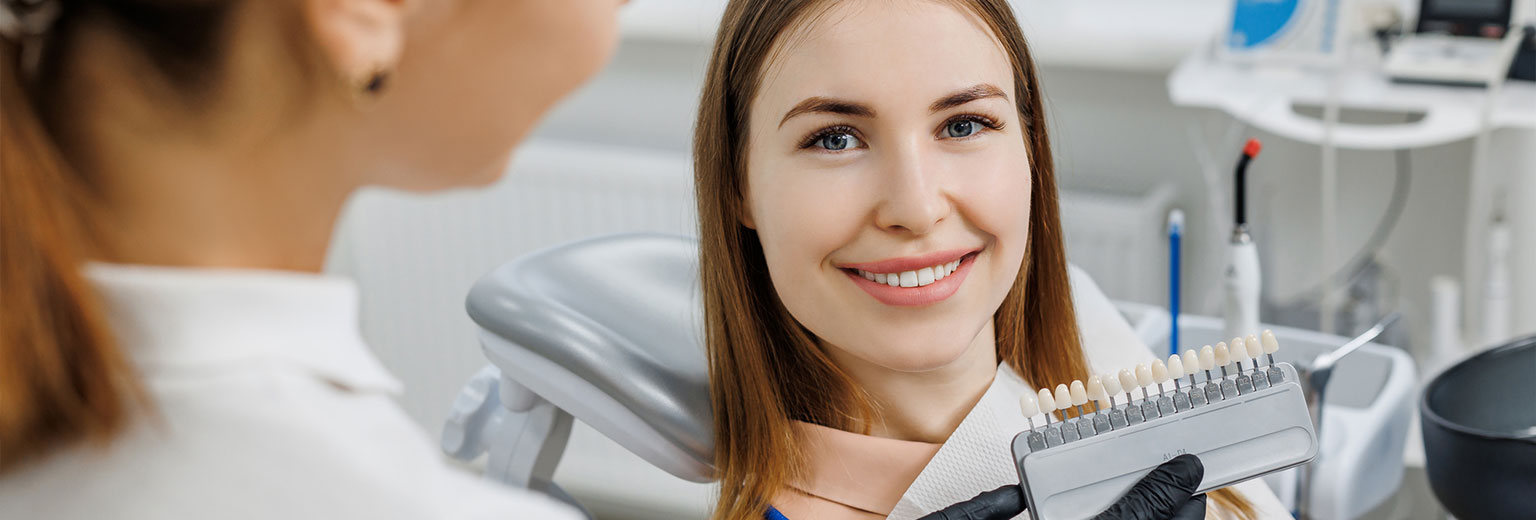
x: 339, y: 93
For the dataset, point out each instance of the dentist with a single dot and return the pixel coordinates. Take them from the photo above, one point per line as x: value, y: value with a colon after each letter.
x: 170, y: 174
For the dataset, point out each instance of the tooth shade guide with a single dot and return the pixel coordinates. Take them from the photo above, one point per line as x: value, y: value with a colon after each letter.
x: 1207, y: 359
x: 1223, y: 356
x: 1079, y: 393
x: 1143, y: 376
x: 1159, y: 372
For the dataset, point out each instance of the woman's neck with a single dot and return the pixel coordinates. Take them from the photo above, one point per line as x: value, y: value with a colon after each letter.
x: 236, y: 179
x: 928, y: 406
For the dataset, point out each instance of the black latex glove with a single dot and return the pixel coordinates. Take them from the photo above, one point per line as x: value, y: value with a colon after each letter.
x: 1166, y: 493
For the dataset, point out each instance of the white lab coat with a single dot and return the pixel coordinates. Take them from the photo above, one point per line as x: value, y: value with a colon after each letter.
x: 977, y: 456
x: 266, y: 404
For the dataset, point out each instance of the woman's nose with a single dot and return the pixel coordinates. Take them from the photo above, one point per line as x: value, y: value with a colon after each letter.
x: 913, y: 197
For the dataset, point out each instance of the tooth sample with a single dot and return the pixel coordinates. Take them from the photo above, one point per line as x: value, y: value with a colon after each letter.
x: 1207, y: 363
x: 925, y: 276
x: 1069, y: 431
x: 1176, y: 371
x: 1052, y: 432
x: 1079, y: 396
x: 1273, y: 373
x: 1239, y: 356
x: 1030, y: 406
x: 1085, y: 428
x: 1133, y: 414
x: 1063, y: 399
x: 1223, y: 357
x: 1144, y: 380
x: 1270, y: 345
x: 1047, y: 403
x: 1096, y: 393
x: 1160, y: 376
x: 1100, y: 400
x: 1127, y: 383
x: 1112, y: 387
x: 1258, y: 379
x: 1192, y: 367
x: 1239, y: 353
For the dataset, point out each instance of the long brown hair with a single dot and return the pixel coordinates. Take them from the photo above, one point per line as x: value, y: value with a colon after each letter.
x: 765, y: 369
x: 63, y: 378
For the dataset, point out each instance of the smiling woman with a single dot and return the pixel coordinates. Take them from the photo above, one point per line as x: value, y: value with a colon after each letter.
x: 879, y: 231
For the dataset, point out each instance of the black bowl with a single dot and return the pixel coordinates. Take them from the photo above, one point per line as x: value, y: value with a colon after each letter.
x: 1479, y: 421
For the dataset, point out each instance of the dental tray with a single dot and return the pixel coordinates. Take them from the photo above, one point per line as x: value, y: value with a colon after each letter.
x: 1242, y: 427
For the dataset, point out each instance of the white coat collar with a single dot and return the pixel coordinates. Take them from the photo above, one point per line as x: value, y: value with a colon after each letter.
x: 188, y: 321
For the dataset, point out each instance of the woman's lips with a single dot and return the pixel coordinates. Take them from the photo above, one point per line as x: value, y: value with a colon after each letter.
x: 927, y: 293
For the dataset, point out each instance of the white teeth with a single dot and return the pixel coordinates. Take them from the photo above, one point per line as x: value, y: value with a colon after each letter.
x: 917, y: 278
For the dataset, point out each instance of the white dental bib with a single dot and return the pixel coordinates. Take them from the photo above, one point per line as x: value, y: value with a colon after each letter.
x: 977, y: 456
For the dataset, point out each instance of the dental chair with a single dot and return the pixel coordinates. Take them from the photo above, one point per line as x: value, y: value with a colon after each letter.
x: 609, y: 330
x: 606, y: 330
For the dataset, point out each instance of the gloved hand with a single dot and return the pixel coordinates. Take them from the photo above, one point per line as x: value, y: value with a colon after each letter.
x: 1166, y: 493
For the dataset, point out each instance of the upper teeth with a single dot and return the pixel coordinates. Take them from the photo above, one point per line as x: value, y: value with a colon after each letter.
x: 918, y: 278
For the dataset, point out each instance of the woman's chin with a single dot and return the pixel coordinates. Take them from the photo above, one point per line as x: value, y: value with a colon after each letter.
x: 917, y: 357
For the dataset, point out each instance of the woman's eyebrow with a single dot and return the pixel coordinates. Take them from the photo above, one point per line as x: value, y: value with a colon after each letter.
x: 827, y: 105
x: 967, y: 95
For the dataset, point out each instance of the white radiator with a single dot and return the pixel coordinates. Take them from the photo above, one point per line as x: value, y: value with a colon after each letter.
x: 1121, y: 240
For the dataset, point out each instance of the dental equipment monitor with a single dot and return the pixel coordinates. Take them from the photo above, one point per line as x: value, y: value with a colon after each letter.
x: 1455, y: 42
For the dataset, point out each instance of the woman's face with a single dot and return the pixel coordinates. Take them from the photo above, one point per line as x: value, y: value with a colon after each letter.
x: 474, y: 78
x: 885, y: 150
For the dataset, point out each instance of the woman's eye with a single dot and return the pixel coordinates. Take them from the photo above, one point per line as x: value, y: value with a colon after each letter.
x: 961, y: 128
x: 837, y: 141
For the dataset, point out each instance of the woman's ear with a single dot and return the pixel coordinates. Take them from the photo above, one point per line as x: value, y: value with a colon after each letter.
x: 360, y: 39
x: 745, y: 210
